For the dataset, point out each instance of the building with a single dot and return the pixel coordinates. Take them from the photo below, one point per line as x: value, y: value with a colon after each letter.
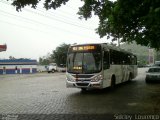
x: 18, y: 66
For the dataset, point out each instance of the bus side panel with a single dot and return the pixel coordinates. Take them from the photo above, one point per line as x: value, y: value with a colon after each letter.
x: 126, y: 70
x: 121, y: 73
x: 106, y: 78
x: 113, y: 70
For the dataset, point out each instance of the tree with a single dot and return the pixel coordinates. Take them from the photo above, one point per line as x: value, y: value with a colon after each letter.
x: 11, y: 57
x: 60, y: 54
x: 127, y: 20
x: 157, y: 56
x: 45, y: 60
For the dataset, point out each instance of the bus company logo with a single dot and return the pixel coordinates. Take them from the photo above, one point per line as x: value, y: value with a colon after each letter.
x: 82, y: 80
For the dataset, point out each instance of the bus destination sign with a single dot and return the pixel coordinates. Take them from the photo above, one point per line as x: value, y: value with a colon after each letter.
x: 83, y: 48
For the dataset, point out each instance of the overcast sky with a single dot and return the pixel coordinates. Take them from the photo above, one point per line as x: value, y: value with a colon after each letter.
x: 34, y: 33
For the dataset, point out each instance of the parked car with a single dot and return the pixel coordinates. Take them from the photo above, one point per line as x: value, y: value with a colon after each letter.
x: 52, y: 67
x: 41, y: 68
x: 157, y: 63
x: 62, y: 68
x: 153, y: 74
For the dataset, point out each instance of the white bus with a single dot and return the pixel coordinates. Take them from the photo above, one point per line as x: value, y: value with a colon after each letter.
x: 97, y: 66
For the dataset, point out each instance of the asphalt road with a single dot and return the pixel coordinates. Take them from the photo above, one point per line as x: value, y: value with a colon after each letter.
x: 45, y: 93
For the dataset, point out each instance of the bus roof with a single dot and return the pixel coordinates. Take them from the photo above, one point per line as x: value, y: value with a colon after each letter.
x: 107, y: 46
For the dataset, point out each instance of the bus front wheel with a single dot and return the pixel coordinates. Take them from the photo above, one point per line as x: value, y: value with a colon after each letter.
x: 83, y: 89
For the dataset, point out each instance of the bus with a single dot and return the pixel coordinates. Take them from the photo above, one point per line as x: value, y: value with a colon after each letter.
x: 97, y: 66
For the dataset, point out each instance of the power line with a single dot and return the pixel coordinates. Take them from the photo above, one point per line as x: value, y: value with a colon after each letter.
x: 55, y: 19
x: 22, y: 26
x: 59, y: 20
x: 63, y: 17
x: 65, y: 14
x: 33, y: 29
x: 37, y: 22
x: 32, y: 21
x: 27, y: 19
x: 17, y: 25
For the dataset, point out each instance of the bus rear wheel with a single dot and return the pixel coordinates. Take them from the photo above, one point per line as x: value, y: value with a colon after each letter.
x: 130, y: 77
x: 113, y: 82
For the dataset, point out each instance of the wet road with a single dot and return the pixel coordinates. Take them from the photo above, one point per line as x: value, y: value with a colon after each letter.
x: 47, y: 94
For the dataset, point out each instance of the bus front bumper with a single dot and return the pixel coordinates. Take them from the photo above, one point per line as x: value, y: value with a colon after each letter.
x: 88, y: 85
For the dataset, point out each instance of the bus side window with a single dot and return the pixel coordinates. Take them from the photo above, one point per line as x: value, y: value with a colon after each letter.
x: 106, y: 60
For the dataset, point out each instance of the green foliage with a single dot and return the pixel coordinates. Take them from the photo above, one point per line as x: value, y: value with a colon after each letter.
x: 130, y: 20
x: 48, y: 4
x: 157, y: 56
x: 142, y: 52
x: 60, y: 54
x: 45, y: 60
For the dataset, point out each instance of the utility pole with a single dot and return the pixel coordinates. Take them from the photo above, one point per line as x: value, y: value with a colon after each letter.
x: 118, y: 42
x: 150, y: 56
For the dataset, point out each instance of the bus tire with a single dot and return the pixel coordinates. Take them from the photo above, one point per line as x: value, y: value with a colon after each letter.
x: 113, y: 82
x: 130, y: 77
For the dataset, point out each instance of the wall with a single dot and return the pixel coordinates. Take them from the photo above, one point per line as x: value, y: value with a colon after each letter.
x: 18, y: 69
x: 18, y: 66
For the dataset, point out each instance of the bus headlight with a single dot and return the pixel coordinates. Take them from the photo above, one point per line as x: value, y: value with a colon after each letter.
x: 97, y: 78
x: 70, y: 79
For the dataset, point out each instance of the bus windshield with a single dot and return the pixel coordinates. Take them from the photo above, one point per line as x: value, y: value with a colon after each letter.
x: 84, y: 62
